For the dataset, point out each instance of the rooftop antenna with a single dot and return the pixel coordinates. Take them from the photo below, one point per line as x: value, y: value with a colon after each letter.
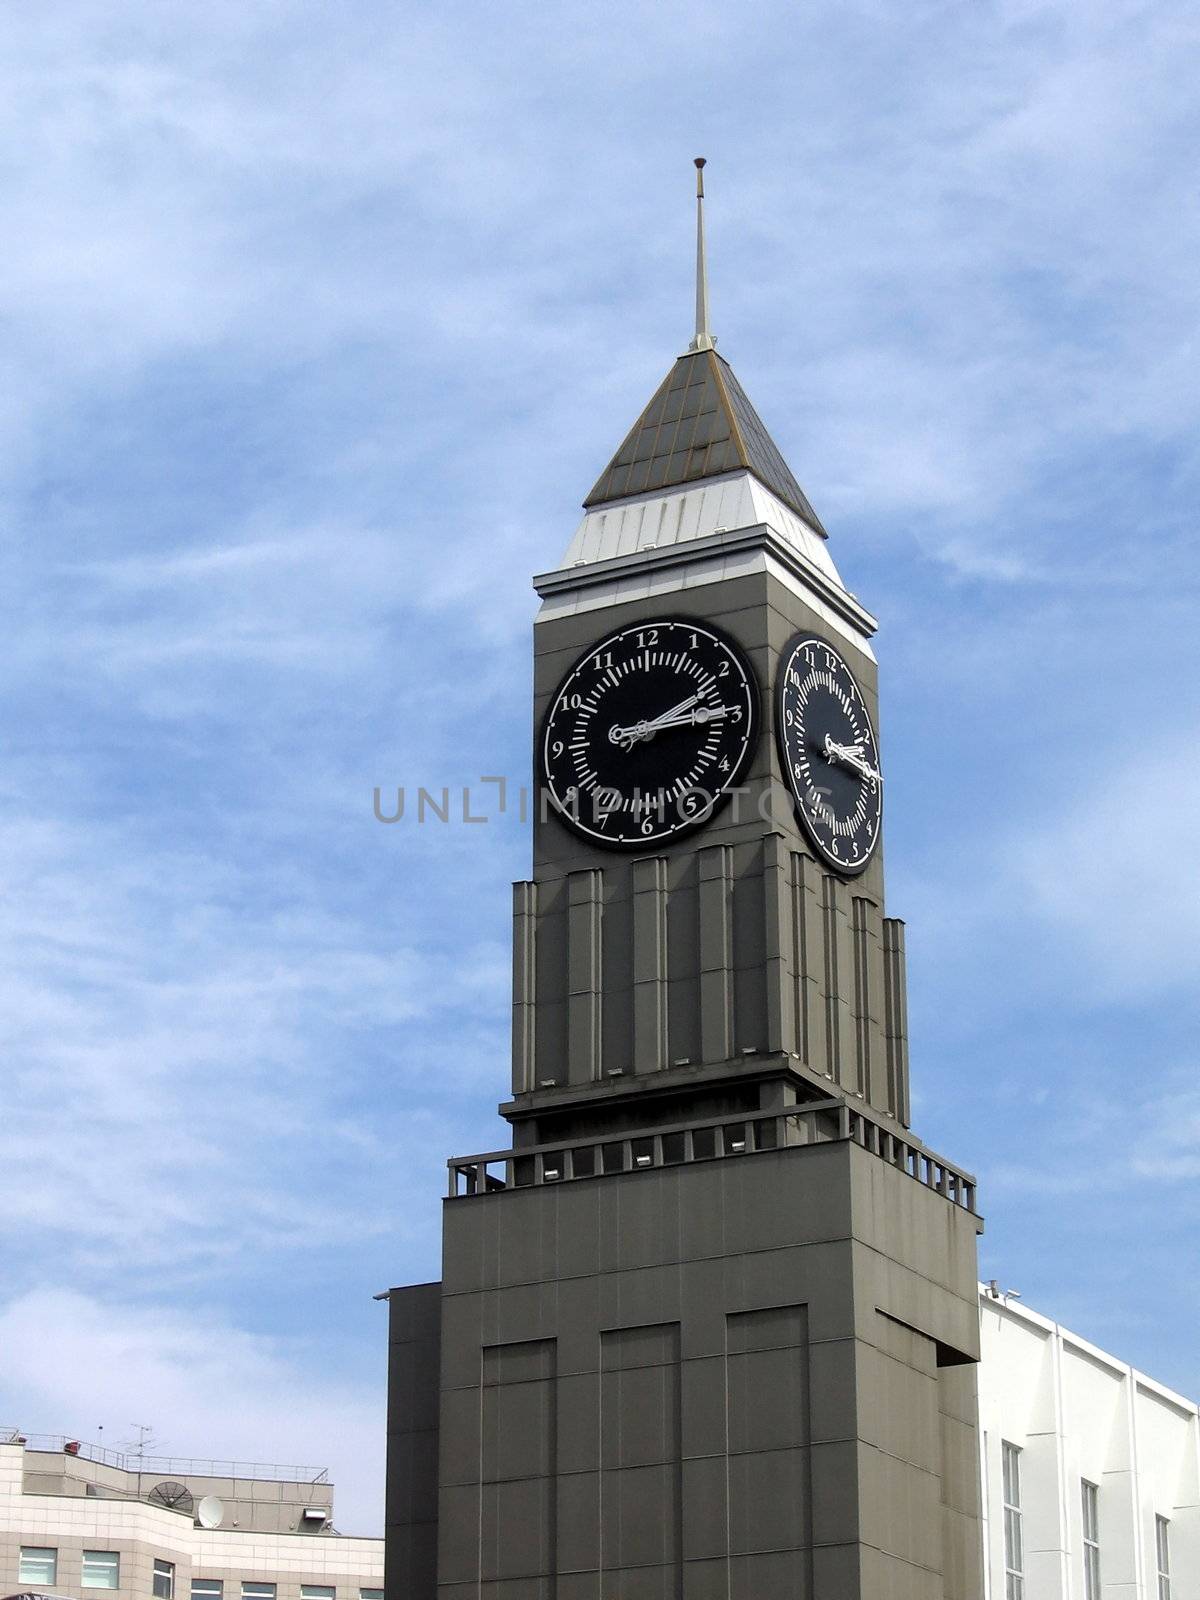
x: 704, y: 339
x: 145, y: 1441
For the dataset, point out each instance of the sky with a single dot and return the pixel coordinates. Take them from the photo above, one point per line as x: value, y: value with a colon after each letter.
x: 319, y: 323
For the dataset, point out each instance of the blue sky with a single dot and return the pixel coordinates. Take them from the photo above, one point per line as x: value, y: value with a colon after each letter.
x: 319, y: 323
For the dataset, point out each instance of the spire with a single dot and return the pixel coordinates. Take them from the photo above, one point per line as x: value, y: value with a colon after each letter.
x: 704, y: 339
x: 699, y: 423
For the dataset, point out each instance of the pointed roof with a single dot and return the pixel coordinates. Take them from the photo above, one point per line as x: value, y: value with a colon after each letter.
x: 699, y: 423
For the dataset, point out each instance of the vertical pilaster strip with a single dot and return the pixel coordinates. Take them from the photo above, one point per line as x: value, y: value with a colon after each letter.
x: 839, y: 978
x: 524, y: 981
x: 808, y: 962
x: 873, y: 1016
x: 868, y: 999
x: 650, y: 1043
x: 584, y: 911
x: 895, y: 1021
x: 716, y: 953
x: 862, y: 999
x: 780, y: 942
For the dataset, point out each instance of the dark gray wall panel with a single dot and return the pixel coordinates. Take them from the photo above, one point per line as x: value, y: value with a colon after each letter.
x: 411, y: 1494
x: 518, y: 1461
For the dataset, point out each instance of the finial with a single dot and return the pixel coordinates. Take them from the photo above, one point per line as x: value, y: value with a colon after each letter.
x: 704, y: 339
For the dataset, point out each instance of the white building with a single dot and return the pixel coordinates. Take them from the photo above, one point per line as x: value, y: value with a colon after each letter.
x: 79, y: 1520
x: 1091, y: 1470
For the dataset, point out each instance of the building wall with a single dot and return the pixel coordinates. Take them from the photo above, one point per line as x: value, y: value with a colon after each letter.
x: 735, y: 1377
x: 1077, y: 1414
x: 272, y: 1504
x: 141, y: 1533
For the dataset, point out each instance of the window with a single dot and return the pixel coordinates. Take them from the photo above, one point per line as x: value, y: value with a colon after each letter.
x: 258, y: 1591
x: 317, y: 1591
x: 164, y: 1580
x: 207, y: 1589
x: 1091, y: 1541
x: 39, y: 1566
x: 370, y: 1594
x: 1014, y: 1554
x: 101, y: 1570
x: 1162, y: 1546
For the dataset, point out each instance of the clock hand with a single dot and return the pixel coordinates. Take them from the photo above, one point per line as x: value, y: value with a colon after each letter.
x: 628, y: 737
x: 851, y: 756
x: 701, y: 714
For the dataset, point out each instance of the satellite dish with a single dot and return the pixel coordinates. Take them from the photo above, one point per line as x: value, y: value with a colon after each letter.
x: 210, y: 1512
x: 175, y: 1496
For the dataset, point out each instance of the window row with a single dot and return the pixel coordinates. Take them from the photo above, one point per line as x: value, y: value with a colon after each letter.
x: 1014, y: 1549
x: 102, y: 1570
x: 253, y: 1589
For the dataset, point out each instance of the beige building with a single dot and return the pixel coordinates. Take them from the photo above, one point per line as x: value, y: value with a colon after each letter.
x: 83, y: 1521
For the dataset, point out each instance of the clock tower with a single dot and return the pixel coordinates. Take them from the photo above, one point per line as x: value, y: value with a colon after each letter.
x: 707, y: 1321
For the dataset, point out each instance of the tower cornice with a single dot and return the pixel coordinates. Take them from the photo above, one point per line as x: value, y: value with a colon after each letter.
x: 637, y: 569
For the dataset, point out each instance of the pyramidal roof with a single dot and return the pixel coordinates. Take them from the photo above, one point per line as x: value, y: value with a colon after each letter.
x: 700, y: 423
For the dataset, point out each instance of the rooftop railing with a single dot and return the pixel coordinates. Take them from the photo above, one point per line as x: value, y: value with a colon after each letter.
x: 162, y: 1466
x: 818, y: 1122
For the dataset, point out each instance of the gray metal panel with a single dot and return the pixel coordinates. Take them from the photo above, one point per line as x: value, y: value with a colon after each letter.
x: 683, y: 959
x: 809, y: 963
x: 863, y: 994
x: 584, y: 977
x: 838, y: 980
x: 748, y: 945
x: 640, y: 1485
x: 896, y: 1015
x: 616, y: 974
x: 779, y: 948
x: 649, y: 943
x: 524, y: 1018
x: 715, y: 894
x: 518, y: 1461
x: 411, y: 1495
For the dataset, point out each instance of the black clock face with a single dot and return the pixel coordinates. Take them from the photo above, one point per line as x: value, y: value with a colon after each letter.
x: 648, y: 732
x: 829, y: 753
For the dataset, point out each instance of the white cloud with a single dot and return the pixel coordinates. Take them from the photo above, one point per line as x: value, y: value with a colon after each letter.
x: 1168, y: 1151
x: 176, y: 1031
x: 1118, y: 870
x: 209, y: 1388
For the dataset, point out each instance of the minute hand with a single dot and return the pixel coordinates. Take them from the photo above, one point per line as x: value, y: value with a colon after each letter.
x: 685, y: 719
x: 628, y: 737
x: 851, y: 756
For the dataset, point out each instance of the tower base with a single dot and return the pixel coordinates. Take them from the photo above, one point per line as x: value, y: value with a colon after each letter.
x: 745, y: 1374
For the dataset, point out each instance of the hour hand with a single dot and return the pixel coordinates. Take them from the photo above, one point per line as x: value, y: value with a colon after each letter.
x: 628, y: 737
x: 852, y: 756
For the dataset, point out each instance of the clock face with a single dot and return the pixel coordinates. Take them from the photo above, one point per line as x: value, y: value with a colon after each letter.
x: 829, y: 753
x: 648, y: 732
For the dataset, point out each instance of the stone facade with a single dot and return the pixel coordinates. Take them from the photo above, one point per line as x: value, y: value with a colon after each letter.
x: 53, y: 1501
